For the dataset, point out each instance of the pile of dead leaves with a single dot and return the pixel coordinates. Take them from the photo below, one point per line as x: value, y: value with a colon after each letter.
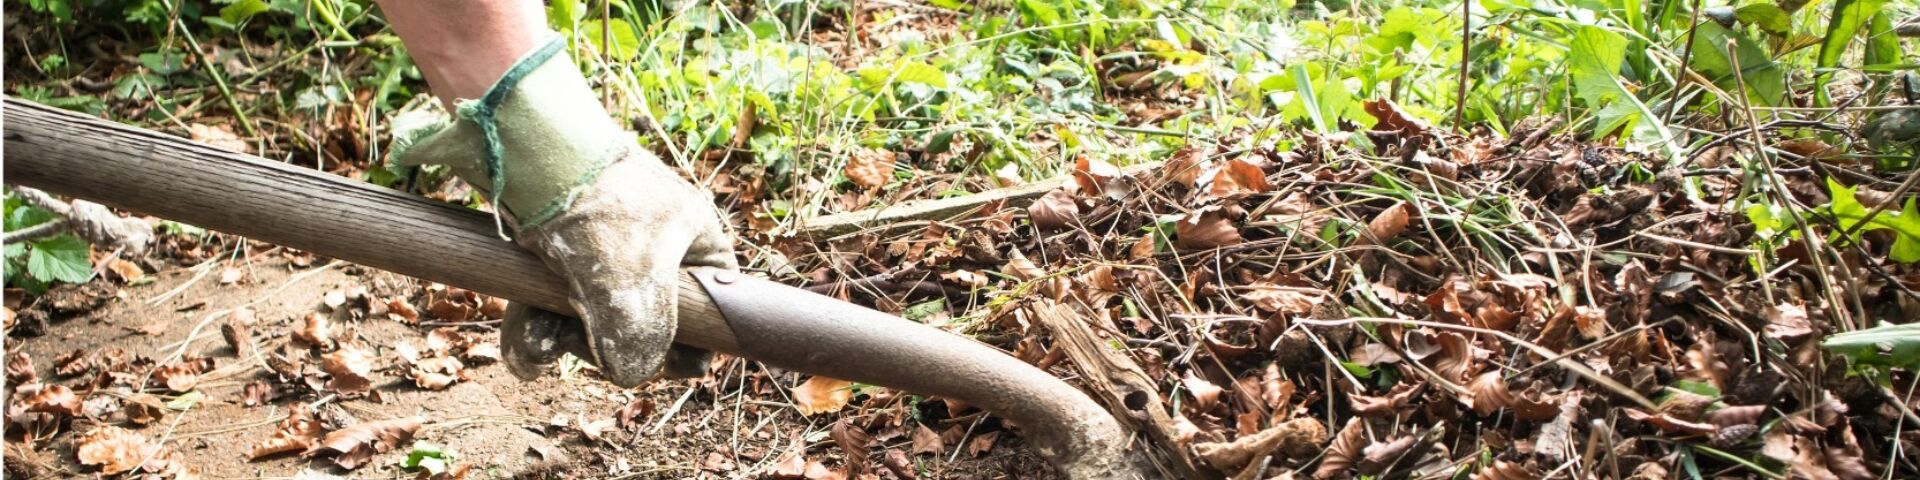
x: 1429, y: 306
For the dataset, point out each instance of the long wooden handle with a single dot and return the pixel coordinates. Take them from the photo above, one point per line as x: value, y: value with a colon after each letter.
x: 165, y: 176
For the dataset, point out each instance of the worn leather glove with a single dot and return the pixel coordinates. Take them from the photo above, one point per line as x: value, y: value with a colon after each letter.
x: 606, y: 215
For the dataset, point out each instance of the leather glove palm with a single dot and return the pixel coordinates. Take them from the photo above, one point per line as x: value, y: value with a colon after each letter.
x: 606, y: 215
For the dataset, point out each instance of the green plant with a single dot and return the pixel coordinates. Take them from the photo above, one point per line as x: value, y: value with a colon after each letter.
x: 37, y: 264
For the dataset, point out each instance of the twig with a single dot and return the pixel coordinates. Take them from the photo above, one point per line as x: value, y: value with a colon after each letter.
x: 1466, y: 36
x: 1686, y: 58
x: 1575, y: 367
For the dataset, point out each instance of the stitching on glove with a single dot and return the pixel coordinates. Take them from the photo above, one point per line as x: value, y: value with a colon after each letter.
x: 558, y: 205
x: 482, y: 114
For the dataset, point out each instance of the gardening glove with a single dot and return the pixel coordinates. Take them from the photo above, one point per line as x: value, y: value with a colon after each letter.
x: 579, y: 192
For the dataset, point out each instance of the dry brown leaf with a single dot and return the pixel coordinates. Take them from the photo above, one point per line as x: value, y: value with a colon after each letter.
x: 1092, y: 177
x: 1447, y: 353
x: 1490, y: 393
x: 1810, y: 148
x: 1297, y: 438
x: 116, y: 450
x: 316, y: 331
x: 1344, y: 452
x: 1276, y: 391
x: 1788, y: 322
x: 493, y: 308
x: 125, y: 271
x: 822, y: 395
x: 1056, y: 209
x: 179, y: 377
x: 639, y: 408
x: 1209, y: 229
x: 1236, y: 178
x: 596, y: 429
x: 1379, y: 456
x: 1389, y: 117
x: 926, y: 441
x: 349, y: 369
x: 221, y: 136
x: 1205, y: 394
x: 144, y: 409
x: 73, y: 363
x: 1387, y: 224
x: 438, y: 373
x: 399, y: 309
x: 1284, y: 299
x: 1390, y: 404
x: 359, y: 443
x: 1737, y: 415
x: 717, y: 463
x: 20, y: 369
x: 982, y: 443
x: 798, y: 468
x: 444, y: 309
x: 852, y: 441
x: 870, y: 168
x: 54, y: 399
x: 898, y: 463
x: 257, y: 393
x: 297, y: 433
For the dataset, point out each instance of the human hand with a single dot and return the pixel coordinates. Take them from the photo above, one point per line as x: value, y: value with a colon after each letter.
x: 609, y: 217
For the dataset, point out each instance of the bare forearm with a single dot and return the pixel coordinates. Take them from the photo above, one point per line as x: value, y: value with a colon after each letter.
x: 462, y: 46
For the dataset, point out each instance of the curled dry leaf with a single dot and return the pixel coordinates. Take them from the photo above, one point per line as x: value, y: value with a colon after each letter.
x: 1379, y: 456
x: 982, y: 443
x: 1238, y: 177
x: 1390, y: 404
x: 144, y: 409
x: 1093, y: 177
x: 400, y: 310
x: 115, y: 450
x: 1056, y: 209
x: 897, y: 462
x: 178, y: 378
x: 1208, y: 229
x: 1206, y: 395
x: 1344, y: 451
x: 821, y: 395
x: 257, y: 393
x: 20, y: 369
x: 73, y: 363
x: 54, y: 399
x: 444, y: 309
x: 125, y: 271
x: 1387, y: 224
x: 297, y: 433
x: 1389, y: 117
x: 870, y: 168
x: 1490, y: 393
x: 852, y: 441
x: 1297, y: 438
x: 493, y: 308
x: 359, y: 443
x: 349, y: 369
x: 438, y: 373
x: 482, y: 353
x: 315, y: 331
x: 639, y: 408
x: 1737, y: 415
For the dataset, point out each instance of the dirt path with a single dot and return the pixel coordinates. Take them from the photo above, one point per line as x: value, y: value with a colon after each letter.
x: 736, y: 423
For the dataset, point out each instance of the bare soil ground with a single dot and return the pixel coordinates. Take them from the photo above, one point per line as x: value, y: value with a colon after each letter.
x: 722, y: 426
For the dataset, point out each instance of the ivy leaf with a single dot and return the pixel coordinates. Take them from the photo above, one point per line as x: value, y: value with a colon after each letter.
x: 1888, y: 345
x: 62, y: 258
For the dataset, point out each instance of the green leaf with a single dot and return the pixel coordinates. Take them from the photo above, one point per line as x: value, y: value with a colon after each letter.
x: 920, y: 311
x: 625, y: 42
x: 1883, y: 46
x: 563, y: 16
x: 1766, y: 82
x: 1887, y: 345
x: 1769, y: 17
x: 1595, y: 66
x: 1848, y: 17
x: 242, y: 10
x: 1357, y: 370
x: 185, y: 401
x: 433, y: 458
x: 62, y: 258
x: 906, y: 72
x: 1849, y: 212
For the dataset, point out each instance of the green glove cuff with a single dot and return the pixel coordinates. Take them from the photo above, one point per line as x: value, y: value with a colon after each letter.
x: 531, y: 143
